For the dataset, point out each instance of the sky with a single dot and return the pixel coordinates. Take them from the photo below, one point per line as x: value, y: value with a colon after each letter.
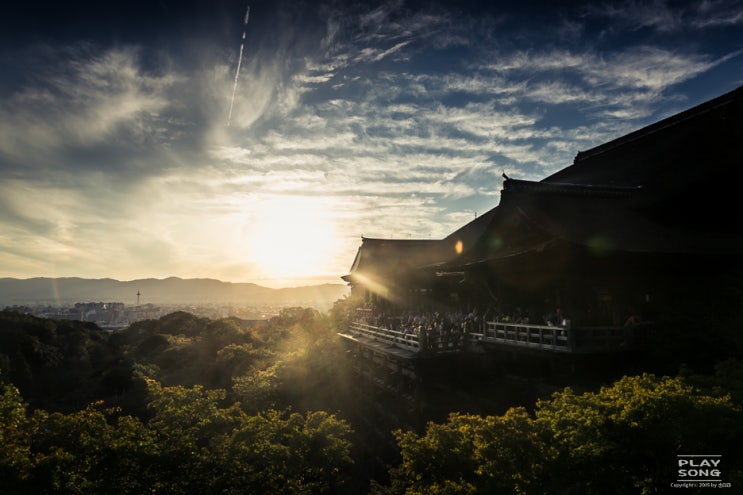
x: 119, y: 156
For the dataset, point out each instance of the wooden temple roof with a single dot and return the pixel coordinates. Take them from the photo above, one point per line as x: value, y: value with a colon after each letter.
x: 665, y: 188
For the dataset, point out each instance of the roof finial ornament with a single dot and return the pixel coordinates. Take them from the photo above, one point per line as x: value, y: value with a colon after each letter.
x: 505, y: 176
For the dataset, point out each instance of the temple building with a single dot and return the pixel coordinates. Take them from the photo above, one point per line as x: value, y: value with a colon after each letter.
x: 644, y: 227
x: 629, y: 260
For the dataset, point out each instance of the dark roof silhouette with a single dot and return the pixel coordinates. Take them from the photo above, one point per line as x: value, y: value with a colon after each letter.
x: 534, y: 215
x: 667, y: 188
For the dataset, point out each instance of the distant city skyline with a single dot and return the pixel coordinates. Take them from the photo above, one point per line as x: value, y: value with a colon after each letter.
x: 169, y: 291
x: 382, y: 119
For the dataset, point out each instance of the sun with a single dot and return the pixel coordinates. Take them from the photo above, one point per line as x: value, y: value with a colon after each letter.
x: 292, y: 237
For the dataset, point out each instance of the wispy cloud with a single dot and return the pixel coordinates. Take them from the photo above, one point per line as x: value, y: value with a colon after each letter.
x: 93, y: 99
x: 714, y: 13
x: 636, y: 67
x: 668, y: 16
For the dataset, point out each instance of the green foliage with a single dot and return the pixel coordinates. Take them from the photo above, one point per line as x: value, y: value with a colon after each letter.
x: 343, y: 311
x: 225, y: 450
x: 209, y: 407
x: 15, y: 454
x: 290, y: 360
x: 177, y: 323
x: 258, y: 390
x: 202, y: 396
x: 235, y: 360
x: 182, y: 349
x: 630, y: 431
x: 621, y: 439
x: 90, y: 451
x: 194, y: 443
x: 189, y: 435
x: 290, y: 453
x: 55, y: 364
x: 471, y: 454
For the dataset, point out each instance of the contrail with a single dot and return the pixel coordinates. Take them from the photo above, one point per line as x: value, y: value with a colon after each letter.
x: 239, y: 62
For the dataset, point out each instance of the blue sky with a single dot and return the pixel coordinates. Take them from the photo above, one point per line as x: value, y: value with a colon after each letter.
x: 381, y: 119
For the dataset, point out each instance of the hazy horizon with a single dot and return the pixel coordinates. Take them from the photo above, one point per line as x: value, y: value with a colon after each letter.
x: 311, y: 281
x: 170, y: 291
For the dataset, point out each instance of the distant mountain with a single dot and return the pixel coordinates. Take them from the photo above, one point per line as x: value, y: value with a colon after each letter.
x: 171, y: 290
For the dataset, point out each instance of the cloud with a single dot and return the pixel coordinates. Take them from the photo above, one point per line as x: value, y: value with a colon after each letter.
x: 638, y: 67
x: 357, y: 37
x: 716, y: 13
x: 667, y: 16
x: 52, y: 230
x: 83, y: 98
x: 636, y: 14
x: 647, y: 67
x: 375, y: 54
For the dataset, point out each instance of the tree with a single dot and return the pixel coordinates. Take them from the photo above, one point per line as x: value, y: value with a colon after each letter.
x: 622, y: 439
x: 625, y: 438
x: 15, y: 454
x: 274, y: 452
x: 189, y: 425
x: 208, y: 448
x: 470, y: 454
x: 257, y: 390
x: 89, y: 452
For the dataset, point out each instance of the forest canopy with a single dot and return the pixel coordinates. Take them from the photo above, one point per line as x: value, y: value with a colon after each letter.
x: 185, y: 405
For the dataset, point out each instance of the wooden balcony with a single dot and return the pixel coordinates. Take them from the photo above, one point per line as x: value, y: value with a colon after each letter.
x: 558, y: 339
x: 407, y: 344
x: 580, y: 340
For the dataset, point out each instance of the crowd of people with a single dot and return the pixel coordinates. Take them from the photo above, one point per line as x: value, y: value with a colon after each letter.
x: 434, y: 320
x: 434, y: 329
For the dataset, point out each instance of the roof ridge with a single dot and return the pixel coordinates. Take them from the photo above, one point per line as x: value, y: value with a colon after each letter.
x: 510, y: 185
x: 672, y: 120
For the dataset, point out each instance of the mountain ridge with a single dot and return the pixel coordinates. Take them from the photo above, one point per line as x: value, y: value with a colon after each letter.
x: 170, y: 290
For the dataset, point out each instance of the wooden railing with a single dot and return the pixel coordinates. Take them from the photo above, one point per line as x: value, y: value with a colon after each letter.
x: 428, y: 342
x: 403, y: 340
x: 549, y: 338
x: 558, y: 338
x: 535, y: 336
